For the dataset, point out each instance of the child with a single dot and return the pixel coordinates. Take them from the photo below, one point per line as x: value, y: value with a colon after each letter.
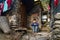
x: 35, y: 25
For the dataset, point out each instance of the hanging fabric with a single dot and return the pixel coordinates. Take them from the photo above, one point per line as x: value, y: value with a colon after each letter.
x: 55, y: 2
x: 5, y: 6
x: 9, y: 2
x: 1, y: 7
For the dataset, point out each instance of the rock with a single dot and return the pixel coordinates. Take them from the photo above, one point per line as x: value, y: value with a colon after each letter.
x: 41, y: 36
x: 57, y: 22
x: 4, y: 25
x: 57, y: 16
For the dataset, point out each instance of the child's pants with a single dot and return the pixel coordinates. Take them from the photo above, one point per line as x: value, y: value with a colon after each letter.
x: 35, y: 28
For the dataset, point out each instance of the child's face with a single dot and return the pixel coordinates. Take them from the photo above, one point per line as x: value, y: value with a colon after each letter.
x: 34, y: 20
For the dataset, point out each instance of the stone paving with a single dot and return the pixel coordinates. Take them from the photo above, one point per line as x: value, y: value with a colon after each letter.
x: 29, y: 36
x: 4, y: 36
x: 41, y: 36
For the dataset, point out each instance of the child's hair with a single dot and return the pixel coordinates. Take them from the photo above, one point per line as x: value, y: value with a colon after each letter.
x: 34, y: 19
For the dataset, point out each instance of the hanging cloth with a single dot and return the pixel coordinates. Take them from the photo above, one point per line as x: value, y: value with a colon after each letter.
x: 55, y: 2
x: 1, y: 7
x: 9, y: 2
x: 5, y: 6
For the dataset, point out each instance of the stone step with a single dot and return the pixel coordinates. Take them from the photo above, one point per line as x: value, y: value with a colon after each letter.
x: 57, y: 16
x: 57, y: 25
x: 57, y: 21
x: 56, y: 30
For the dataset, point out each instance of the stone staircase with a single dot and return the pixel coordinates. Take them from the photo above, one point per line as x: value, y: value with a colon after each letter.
x: 56, y: 27
x: 56, y: 20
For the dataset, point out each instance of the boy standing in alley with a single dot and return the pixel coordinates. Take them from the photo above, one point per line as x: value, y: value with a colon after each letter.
x: 35, y: 25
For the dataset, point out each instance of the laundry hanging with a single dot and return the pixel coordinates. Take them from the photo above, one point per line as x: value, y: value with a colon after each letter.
x: 5, y: 6
x: 56, y: 2
x: 9, y: 2
x: 1, y: 7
